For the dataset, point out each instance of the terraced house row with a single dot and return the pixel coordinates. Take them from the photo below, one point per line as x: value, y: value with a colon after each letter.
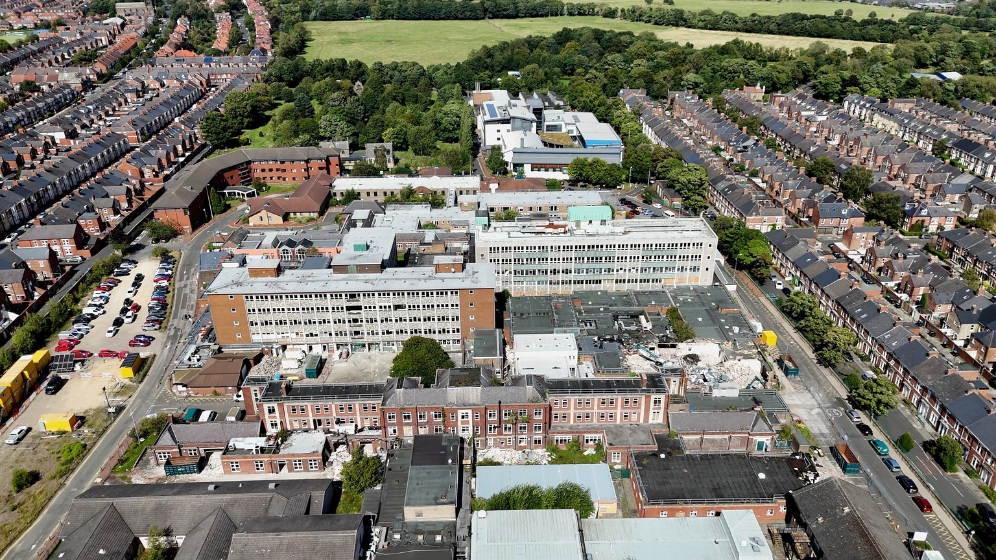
x: 949, y: 398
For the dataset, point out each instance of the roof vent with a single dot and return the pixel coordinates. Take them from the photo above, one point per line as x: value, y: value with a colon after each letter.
x: 212, y: 487
x: 761, y: 475
x: 272, y: 485
x: 482, y: 514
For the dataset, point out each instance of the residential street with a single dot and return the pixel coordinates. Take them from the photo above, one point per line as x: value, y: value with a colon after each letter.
x: 943, y: 530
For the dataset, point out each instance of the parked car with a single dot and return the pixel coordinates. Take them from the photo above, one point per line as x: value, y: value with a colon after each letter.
x: 117, y: 322
x: 130, y: 317
x: 138, y: 343
x: 150, y: 327
x: 75, y: 259
x: 135, y: 307
x: 923, y: 504
x: 139, y: 277
x: 105, y: 353
x: 15, y: 436
x: 853, y: 415
x: 907, y: 483
x: 144, y: 337
x: 110, y: 280
x: 987, y: 513
x: 53, y: 384
x: 82, y: 354
x: 865, y: 429
x: 880, y: 447
x: 892, y: 464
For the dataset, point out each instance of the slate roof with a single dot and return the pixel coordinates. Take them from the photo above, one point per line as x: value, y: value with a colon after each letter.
x: 207, y: 432
x: 846, y: 522
x: 330, y: 537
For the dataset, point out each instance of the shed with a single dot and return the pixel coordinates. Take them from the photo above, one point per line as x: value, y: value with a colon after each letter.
x: 596, y: 478
x: 62, y: 422
x: 769, y: 338
x: 131, y: 365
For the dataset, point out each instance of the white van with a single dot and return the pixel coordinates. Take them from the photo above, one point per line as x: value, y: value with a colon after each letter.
x: 93, y: 310
x: 235, y: 414
x: 207, y: 416
x: 668, y: 213
x: 778, y: 285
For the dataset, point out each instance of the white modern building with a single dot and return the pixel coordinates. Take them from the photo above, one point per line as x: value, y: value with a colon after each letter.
x: 555, y: 203
x: 558, y: 257
x: 379, y: 188
x: 552, y: 355
x: 498, y: 112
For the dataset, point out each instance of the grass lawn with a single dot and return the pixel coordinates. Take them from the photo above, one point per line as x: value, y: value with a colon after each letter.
x: 278, y: 189
x: 437, y: 42
x: 349, y: 503
x: 773, y: 8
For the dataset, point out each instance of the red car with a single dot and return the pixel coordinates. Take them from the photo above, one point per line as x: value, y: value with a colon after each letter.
x: 82, y: 354
x: 123, y: 354
x: 135, y: 307
x: 138, y: 343
x: 66, y: 343
x: 102, y: 289
x: 923, y: 504
x: 110, y: 281
x: 107, y: 354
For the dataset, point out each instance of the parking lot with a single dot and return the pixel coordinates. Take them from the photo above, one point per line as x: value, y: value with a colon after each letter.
x: 97, y: 340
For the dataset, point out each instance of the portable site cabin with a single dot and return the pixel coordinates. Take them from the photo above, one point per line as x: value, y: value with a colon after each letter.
x: 769, y: 338
x: 131, y: 365
x: 312, y: 366
x: 64, y: 422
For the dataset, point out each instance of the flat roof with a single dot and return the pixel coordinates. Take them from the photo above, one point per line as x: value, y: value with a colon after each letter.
x: 237, y: 281
x: 596, y: 478
x: 542, y: 343
x: 515, y: 198
x: 731, y: 535
x: 550, y: 534
x: 714, y: 479
x: 401, y: 181
x: 686, y: 229
x: 303, y: 442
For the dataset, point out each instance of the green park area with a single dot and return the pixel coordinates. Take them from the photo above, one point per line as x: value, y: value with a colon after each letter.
x: 438, y: 42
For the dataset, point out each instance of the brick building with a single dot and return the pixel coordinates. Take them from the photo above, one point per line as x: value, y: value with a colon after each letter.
x: 65, y: 239
x: 197, y: 439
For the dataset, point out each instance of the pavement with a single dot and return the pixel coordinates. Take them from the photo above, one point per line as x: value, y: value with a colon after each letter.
x: 944, y: 532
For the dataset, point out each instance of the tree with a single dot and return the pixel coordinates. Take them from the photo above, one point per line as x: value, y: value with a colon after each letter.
x: 876, y: 396
x: 855, y: 182
x: 566, y: 495
x: 553, y: 185
x: 218, y: 129
x: 361, y: 472
x: 118, y: 240
x: 159, y: 230
x: 29, y: 86
x: 971, y: 278
x: 690, y: 181
x: 218, y: 204
x: 946, y: 450
x: 746, y: 247
x: 986, y: 219
x: 420, y: 357
x: 853, y: 381
x: 940, y: 148
x: 905, y: 443
x: 350, y: 196
x: 159, y: 252
x: 22, y: 479
x: 332, y: 127
x: 823, y: 170
x: 886, y: 208
x: 505, y: 216
x: 364, y: 169
x: 158, y: 548
x: 495, y: 161
x: 302, y: 102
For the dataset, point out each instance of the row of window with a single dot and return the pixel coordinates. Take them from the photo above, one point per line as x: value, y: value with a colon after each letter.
x: 522, y: 415
x: 325, y: 408
x: 322, y: 297
x: 593, y: 248
x: 714, y: 513
x: 603, y: 402
x: 260, y: 466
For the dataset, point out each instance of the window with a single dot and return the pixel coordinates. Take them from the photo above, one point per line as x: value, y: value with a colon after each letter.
x: 537, y: 428
x: 392, y: 431
x: 712, y: 513
x: 392, y: 417
x: 506, y: 428
x: 270, y: 409
x: 437, y: 416
x: 260, y: 467
x: 274, y: 426
x: 492, y: 428
x: 663, y: 514
x: 298, y: 464
x: 312, y: 464
x: 453, y: 417
x: 616, y: 456
x: 437, y: 429
x: 592, y: 439
x: 523, y: 441
x: 162, y: 455
x: 406, y: 417
x: 770, y: 512
x: 234, y: 466
x: 537, y: 413
x: 464, y: 415
x: 693, y: 513
x: 423, y: 416
x: 192, y: 453
x: 492, y: 415
x: 523, y: 428
x: 658, y: 401
x: 477, y: 416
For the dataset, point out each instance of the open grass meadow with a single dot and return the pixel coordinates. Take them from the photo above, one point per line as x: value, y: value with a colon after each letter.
x: 775, y: 7
x: 438, y: 42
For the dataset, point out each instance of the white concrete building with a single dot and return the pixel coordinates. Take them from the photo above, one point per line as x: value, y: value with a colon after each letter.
x: 552, y: 355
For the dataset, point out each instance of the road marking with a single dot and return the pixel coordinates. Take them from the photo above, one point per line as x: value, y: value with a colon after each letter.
x: 947, y: 538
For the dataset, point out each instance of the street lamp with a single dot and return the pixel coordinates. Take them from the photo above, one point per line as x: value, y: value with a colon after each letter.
x: 736, y: 267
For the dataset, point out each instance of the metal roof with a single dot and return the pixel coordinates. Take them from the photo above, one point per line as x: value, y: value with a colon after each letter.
x: 596, y: 478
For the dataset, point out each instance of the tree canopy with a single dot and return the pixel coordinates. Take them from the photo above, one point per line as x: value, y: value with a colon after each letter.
x: 566, y: 495
x: 420, y: 357
x: 747, y: 248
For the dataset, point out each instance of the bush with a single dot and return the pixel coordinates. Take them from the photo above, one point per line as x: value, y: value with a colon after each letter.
x: 905, y: 443
x: 853, y: 381
x: 22, y: 479
x: 71, y: 453
x: 946, y: 450
x: 567, y: 495
x: 160, y: 252
x: 361, y: 473
x: 682, y: 330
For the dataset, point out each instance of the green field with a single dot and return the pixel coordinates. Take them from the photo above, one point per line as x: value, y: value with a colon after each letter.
x: 774, y: 7
x: 436, y: 42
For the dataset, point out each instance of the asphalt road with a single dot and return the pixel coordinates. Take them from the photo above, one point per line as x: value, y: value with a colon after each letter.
x: 50, y: 519
x: 890, y: 495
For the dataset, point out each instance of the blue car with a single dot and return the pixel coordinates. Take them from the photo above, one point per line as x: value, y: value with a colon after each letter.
x: 892, y: 464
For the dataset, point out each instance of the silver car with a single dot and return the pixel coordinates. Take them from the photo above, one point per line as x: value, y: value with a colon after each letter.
x: 17, y: 435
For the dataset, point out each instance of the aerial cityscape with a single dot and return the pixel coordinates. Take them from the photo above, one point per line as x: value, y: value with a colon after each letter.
x: 496, y: 279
